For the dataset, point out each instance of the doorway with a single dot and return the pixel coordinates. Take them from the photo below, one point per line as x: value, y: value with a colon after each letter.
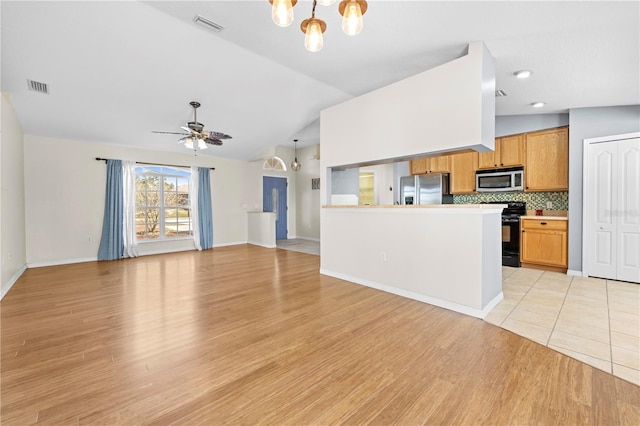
x: 612, y: 208
x: 274, y: 199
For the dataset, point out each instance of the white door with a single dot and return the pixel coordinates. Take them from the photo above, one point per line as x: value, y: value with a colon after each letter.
x: 612, y: 209
x: 601, y: 185
x: 628, y: 250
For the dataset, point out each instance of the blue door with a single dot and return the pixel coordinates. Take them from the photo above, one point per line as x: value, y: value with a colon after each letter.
x: 274, y: 199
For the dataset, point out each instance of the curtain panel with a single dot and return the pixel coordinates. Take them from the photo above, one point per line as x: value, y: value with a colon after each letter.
x: 205, y: 220
x: 129, y: 209
x: 112, y: 241
x: 193, y: 199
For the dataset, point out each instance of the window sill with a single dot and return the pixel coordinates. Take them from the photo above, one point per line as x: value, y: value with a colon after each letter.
x: 165, y: 240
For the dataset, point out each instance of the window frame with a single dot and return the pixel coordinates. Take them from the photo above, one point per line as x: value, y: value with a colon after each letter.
x: 162, y: 173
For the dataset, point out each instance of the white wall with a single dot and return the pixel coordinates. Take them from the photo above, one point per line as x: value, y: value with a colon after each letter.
x: 514, y: 124
x: 307, y: 199
x: 65, y: 186
x: 12, y: 206
x: 446, y: 108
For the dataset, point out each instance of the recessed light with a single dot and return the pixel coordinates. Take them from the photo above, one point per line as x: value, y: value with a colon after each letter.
x: 523, y: 73
x: 537, y: 104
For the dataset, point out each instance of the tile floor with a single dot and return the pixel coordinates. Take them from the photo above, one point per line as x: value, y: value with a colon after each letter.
x: 298, y: 244
x: 593, y: 320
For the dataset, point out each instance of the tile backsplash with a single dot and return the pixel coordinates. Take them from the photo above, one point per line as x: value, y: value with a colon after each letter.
x: 534, y: 200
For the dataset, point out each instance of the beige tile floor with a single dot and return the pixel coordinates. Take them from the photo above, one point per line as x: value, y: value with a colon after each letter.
x: 301, y: 245
x: 593, y: 320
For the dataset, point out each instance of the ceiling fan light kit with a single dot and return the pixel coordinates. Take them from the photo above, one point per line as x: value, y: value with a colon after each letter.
x: 313, y: 28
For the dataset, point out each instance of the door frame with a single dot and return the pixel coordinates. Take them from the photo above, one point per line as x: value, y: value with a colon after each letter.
x: 585, y: 193
x: 288, y: 197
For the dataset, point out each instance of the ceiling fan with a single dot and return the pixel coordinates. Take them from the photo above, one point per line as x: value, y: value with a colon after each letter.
x: 194, y: 136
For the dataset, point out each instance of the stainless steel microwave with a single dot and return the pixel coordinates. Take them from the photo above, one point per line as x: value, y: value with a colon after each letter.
x: 506, y: 180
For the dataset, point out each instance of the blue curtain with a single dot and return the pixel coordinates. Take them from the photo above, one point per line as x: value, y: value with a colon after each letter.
x: 112, y: 240
x: 205, y: 220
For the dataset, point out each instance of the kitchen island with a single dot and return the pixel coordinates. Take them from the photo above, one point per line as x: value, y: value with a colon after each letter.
x: 445, y: 255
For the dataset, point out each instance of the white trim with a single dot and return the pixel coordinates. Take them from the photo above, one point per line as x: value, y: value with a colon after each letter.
x: 12, y: 281
x: 613, y: 138
x: 256, y: 243
x: 173, y: 250
x: 233, y: 243
x: 575, y: 273
x: 466, y: 310
x: 61, y: 262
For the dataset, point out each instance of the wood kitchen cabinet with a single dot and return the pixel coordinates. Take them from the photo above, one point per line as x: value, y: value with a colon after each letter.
x: 544, y: 243
x: 509, y: 152
x: 439, y: 164
x: 462, y: 178
x: 547, y: 160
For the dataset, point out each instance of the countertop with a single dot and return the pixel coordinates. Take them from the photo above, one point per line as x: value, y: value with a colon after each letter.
x: 421, y: 206
x: 529, y: 217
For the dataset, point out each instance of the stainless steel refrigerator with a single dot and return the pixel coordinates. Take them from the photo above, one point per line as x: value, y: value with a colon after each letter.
x: 424, y: 189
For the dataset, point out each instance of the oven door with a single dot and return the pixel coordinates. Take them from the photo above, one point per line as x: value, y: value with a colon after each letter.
x: 511, y: 242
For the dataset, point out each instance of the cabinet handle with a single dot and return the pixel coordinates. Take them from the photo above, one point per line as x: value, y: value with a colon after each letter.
x: 543, y: 223
x: 502, y: 164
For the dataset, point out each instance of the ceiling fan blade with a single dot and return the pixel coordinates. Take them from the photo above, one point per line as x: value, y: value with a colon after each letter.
x: 218, y: 135
x: 170, y: 133
x: 213, y: 141
x: 186, y: 129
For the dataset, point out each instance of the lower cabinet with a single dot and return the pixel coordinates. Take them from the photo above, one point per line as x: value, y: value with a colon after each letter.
x: 544, y: 243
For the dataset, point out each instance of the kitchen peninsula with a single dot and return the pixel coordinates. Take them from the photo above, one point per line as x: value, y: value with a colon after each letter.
x: 445, y: 255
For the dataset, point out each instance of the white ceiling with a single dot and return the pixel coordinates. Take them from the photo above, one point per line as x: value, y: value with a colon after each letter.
x: 118, y: 70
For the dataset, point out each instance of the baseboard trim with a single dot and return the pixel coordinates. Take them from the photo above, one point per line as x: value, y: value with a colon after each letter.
x: 234, y: 243
x: 255, y: 243
x: 574, y: 273
x: 60, y: 262
x: 462, y: 309
x: 12, y: 281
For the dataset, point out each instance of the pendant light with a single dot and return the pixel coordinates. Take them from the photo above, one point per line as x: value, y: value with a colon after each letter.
x: 313, y: 29
x: 295, y: 165
x: 282, y: 12
x: 352, y: 11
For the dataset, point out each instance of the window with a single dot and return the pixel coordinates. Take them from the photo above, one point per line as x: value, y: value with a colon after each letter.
x: 163, y: 209
x: 366, y: 196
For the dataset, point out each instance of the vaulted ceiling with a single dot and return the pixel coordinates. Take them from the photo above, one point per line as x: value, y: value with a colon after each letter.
x: 118, y: 70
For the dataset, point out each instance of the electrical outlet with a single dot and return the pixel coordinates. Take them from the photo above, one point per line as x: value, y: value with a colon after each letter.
x: 90, y: 239
x: 10, y: 254
x: 384, y: 256
x: 549, y: 205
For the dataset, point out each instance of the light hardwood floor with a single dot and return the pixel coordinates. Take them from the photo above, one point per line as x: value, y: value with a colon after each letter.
x: 247, y: 335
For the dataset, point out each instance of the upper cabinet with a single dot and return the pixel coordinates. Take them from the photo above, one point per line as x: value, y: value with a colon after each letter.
x: 509, y: 152
x: 439, y: 164
x: 463, y: 172
x: 547, y: 160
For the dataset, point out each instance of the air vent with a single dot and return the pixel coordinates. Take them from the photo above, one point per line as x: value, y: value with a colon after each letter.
x: 36, y: 86
x: 500, y: 93
x: 207, y: 23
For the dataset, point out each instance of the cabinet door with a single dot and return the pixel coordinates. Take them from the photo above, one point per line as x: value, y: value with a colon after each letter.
x: 419, y: 166
x: 547, y: 160
x: 544, y: 247
x: 489, y: 160
x: 511, y: 149
x: 439, y: 164
x: 463, y: 173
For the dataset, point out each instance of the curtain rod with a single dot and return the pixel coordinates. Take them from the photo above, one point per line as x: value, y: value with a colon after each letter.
x: 152, y: 164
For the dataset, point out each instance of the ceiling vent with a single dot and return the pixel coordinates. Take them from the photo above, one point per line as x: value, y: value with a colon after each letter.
x: 500, y: 93
x: 207, y: 23
x: 36, y: 86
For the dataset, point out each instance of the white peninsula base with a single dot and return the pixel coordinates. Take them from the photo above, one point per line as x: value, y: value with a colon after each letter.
x: 445, y: 255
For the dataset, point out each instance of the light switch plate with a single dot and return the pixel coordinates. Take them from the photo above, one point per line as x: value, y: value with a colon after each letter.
x: 549, y: 205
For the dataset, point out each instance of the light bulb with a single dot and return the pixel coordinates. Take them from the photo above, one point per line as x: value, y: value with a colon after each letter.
x: 326, y: 2
x: 313, y: 38
x: 188, y: 142
x: 282, y: 12
x: 202, y: 144
x: 352, y: 18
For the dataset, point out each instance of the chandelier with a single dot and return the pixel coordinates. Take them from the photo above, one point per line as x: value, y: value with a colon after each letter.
x: 351, y: 11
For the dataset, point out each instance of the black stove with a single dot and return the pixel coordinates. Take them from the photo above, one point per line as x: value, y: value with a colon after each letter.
x: 511, y: 231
